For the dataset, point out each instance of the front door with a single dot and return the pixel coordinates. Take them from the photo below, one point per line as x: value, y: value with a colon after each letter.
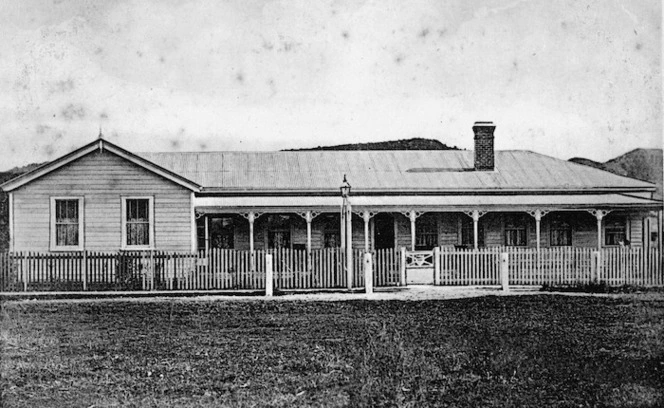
x: 383, y: 231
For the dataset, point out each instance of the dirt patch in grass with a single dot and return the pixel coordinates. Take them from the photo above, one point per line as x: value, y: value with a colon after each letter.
x: 536, y: 350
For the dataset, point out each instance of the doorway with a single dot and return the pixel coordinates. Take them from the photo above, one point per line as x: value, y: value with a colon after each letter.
x: 383, y: 231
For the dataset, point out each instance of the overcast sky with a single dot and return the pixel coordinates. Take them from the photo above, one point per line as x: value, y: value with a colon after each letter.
x: 560, y: 78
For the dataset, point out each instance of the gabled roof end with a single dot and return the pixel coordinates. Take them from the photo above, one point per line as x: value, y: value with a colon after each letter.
x: 101, y: 145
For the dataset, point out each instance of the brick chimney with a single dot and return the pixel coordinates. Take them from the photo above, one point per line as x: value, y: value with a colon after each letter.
x: 484, y: 156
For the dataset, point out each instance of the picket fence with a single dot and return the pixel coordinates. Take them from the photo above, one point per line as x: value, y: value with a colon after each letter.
x: 552, y: 266
x: 216, y: 269
x: 219, y: 269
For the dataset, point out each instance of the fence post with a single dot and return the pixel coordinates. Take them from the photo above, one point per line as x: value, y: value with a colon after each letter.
x: 84, y: 270
x: 402, y: 271
x: 269, y: 281
x: 24, y: 272
x: 505, y: 271
x: 436, y: 266
x: 368, y: 272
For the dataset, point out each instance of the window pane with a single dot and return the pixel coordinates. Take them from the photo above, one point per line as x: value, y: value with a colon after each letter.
x: 561, y: 237
x: 615, y: 231
x: 522, y: 237
x: 515, y: 237
x: 143, y: 210
x: 510, y: 237
x: 130, y: 210
x: 138, y: 210
x: 66, y: 211
x: 138, y: 233
x: 66, y: 235
x: 279, y: 239
x: 72, y: 209
x: 615, y: 237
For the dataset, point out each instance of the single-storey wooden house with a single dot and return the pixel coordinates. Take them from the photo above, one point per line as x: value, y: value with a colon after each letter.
x: 102, y: 197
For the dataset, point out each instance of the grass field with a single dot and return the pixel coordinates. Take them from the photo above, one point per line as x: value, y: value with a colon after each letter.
x: 536, y: 350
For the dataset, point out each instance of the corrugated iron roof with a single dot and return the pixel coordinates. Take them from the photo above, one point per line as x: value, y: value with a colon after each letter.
x: 420, y: 170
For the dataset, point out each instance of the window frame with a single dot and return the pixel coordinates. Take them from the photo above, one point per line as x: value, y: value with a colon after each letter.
x: 609, y: 227
x: 124, y: 245
x: 330, y: 227
x: 421, y: 232
x: 81, y: 227
x: 515, y: 222
x: 275, y: 224
x: 559, y: 223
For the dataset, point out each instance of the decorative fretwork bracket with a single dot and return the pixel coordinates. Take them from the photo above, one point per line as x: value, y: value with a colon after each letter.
x: 412, y: 215
x: 475, y: 214
x: 538, y: 214
x: 251, y: 215
x: 599, y: 214
x: 309, y: 215
x: 366, y: 214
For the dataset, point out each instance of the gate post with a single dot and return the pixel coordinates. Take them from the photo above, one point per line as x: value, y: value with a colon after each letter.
x: 505, y: 271
x: 436, y: 266
x: 402, y: 271
x: 269, y: 281
x: 368, y: 273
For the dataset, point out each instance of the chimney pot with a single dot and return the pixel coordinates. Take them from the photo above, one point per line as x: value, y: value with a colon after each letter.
x: 484, y: 153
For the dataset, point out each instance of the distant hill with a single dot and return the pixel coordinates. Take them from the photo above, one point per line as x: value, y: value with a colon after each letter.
x: 642, y: 164
x: 404, y: 144
x: 587, y: 162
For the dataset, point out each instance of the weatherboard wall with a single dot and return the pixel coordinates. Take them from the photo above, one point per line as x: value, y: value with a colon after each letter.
x: 102, y: 179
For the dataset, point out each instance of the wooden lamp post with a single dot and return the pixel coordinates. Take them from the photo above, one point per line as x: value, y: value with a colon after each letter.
x: 347, y: 230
